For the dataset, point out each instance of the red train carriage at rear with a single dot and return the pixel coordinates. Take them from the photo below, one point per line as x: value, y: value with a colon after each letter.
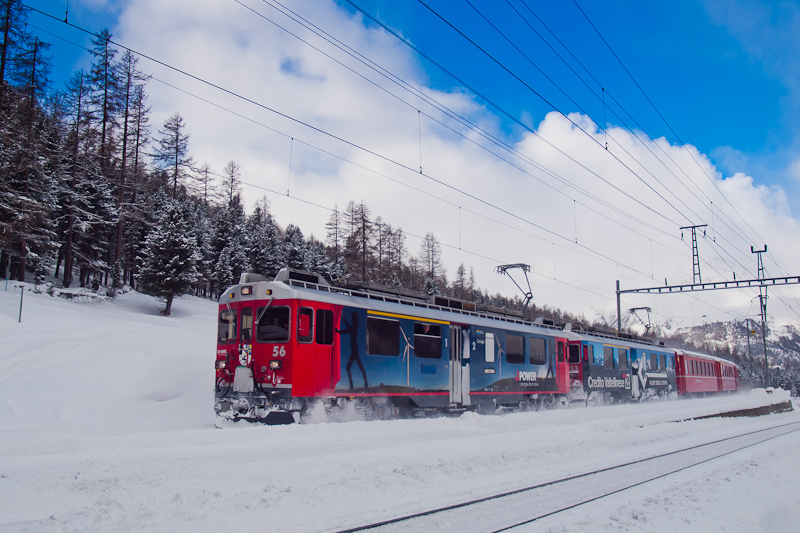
x: 700, y: 374
x: 284, y: 346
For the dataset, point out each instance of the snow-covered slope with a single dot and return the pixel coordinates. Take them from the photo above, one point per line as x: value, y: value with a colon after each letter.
x: 106, y: 424
x: 113, y: 363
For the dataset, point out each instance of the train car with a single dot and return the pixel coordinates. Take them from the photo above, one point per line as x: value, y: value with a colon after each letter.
x: 606, y: 367
x: 700, y: 374
x: 728, y: 376
x: 286, y: 345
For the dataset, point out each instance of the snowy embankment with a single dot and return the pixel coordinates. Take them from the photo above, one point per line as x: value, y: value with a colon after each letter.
x: 106, y: 425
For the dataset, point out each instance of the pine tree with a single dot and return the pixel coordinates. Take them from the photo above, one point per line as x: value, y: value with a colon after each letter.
x: 229, y: 245
x: 295, y: 247
x: 170, y: 266
x: 265, y: 242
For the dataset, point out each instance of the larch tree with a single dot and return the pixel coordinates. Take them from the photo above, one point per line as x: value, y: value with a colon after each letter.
x: 172, y: 152
x: 131, y: 79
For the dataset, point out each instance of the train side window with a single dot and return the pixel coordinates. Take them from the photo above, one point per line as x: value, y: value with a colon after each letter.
x: 305, y: 324
x: 247, y: 324
x: 489, y: 347
x: 653, y: 361
x: 662, y: 362
x: 538, y: 352
x: 515, y: 349
x: 560, y: 351
x: 574, y: 354
x: 324, y: 326
x: 608, y: 357
x: 273, y: 324
x: 227, y: 326
x: 622, y: 355
x: 428, y: 340
x: 597, y: 358
x: 383, y: 336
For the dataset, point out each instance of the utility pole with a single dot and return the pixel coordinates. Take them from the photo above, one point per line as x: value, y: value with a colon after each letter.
x: 695, y: 253
x: 762, y: 299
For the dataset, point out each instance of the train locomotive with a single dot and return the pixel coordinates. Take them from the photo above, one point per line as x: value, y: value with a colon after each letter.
x: 289, y: 345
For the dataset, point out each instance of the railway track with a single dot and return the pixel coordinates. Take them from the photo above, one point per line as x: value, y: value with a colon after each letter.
x: 511, y: 510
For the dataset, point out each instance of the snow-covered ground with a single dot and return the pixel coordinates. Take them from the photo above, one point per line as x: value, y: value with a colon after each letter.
x: 106, y: 424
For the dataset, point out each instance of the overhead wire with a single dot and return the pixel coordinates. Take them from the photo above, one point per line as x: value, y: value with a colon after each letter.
x: 554, y: 107
x: 479, y: 94
x: 509, y: 115
x: 652, y: 104
x: 605, y: 91
x: 662, y: 116
x: 449, y: 113
x: 580, y: 108
x: 291, y: 118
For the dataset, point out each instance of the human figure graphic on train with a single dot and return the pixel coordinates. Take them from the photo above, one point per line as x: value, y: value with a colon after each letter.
x: 355, y: 355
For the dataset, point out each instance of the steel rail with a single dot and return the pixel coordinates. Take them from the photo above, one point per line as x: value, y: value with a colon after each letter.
x: 469, y: 503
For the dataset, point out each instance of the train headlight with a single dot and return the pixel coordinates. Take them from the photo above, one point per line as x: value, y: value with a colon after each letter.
x: 220, y: 365
x: 275, y: 365
x: 247, y: 289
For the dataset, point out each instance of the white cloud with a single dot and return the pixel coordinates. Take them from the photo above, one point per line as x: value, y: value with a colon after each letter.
x: 542, y: 215
x: 794, y: 170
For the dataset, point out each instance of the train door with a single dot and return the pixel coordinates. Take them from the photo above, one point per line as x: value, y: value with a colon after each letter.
x: 562, y: 368
x: 575, y: 370
x: 456, y: 343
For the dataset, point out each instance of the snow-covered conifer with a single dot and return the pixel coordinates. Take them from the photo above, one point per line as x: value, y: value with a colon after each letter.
x: 170, y: 266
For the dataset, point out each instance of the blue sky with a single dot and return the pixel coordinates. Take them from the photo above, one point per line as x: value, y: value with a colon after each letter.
x: 724, y: 74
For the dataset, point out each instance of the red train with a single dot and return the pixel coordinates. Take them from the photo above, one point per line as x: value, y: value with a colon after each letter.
x: 289, y: 345
x: 700, y: 374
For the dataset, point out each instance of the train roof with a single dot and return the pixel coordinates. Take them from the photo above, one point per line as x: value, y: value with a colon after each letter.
x: 303, y: 285
x: 699, y: 355
x: 296, y: 284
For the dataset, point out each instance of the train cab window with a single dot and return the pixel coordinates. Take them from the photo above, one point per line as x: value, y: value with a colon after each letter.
x: 574, y: 355
x: 489, y: 347
x: 622, y: 355
x: 383, y: 336
x: 227, y: 326
x: 273, y: 324
x: 324, y: 326
x: 608, y: 357
x: 427, y: 340
x: 515, y: 349
x: 305, y: 324
x: 538, y: 352
x: 247, y: 324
